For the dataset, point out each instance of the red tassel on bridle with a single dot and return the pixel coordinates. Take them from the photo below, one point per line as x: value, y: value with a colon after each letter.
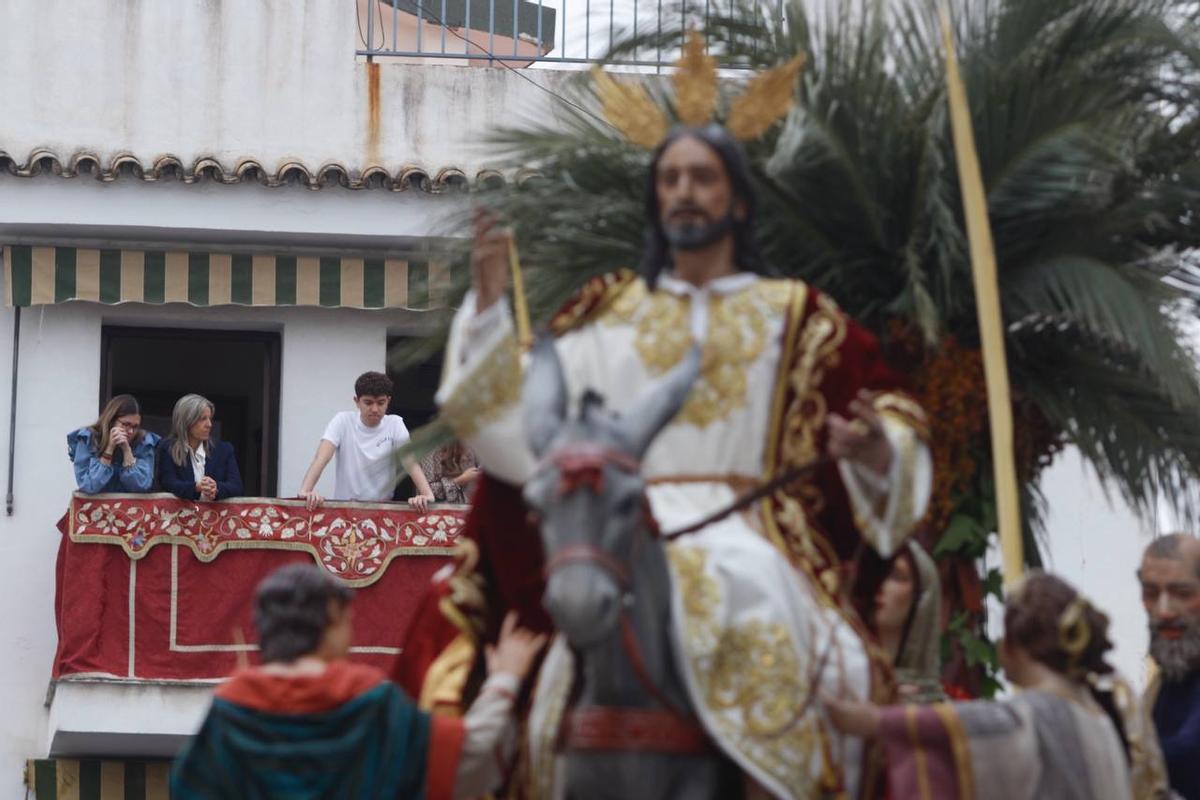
x: 582, y: 466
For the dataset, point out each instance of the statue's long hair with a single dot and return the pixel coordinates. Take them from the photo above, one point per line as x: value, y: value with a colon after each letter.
x: 657, y: 253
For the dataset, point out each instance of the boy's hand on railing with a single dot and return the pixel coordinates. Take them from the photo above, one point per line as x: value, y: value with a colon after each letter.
x: 421, y: 502
x: 516, y: 649
x: 312, y: 500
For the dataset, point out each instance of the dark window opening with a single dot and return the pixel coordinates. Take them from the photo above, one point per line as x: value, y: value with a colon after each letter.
x: 237, y: 370
x: 412, y: 398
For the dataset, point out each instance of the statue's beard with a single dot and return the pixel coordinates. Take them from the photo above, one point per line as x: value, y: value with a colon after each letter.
x: 688, y: 236
x: 1177, y: 658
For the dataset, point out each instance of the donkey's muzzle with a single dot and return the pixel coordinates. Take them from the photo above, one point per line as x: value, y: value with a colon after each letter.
x: 584, y: 603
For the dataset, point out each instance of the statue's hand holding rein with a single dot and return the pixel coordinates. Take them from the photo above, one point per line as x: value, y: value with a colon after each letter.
x: 861, y: 439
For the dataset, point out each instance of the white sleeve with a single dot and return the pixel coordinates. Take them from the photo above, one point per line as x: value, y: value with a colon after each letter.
x: 333, y: 431
x: 887, y: 507
x: 480, y: 393
x: 490, y: 740
x: 401, y: 434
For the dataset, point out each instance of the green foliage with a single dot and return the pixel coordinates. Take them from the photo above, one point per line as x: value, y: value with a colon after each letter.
x: 979, y: 651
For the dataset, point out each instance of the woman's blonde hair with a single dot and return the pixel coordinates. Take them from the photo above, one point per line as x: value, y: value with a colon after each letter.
x: 121, y: 405
x: 188, y: 410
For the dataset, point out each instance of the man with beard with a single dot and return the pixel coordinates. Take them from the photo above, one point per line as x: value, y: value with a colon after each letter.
x: 1170, y: 578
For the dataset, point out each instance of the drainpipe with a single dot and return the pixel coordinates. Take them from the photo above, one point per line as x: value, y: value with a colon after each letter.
x: 12, y: 409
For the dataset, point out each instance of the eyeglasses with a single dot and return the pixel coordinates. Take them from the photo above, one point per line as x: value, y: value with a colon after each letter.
x: 129, y: 426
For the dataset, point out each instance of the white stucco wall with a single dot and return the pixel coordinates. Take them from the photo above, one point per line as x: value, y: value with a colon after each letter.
x: 1096, y: 543
x: 323, y: 350
x: 275, y: 82
x: 48, y: 209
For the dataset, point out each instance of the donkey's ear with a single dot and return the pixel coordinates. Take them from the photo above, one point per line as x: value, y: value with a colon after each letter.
x: 545, y: 396
x: 658, y: 403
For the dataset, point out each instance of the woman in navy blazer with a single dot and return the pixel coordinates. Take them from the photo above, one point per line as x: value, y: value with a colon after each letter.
x: 191, y: 465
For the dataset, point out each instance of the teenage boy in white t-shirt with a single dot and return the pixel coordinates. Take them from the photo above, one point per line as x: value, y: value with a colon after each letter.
x: 365, y: 441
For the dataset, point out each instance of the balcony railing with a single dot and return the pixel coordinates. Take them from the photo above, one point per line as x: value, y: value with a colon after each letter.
x: 525, y: 32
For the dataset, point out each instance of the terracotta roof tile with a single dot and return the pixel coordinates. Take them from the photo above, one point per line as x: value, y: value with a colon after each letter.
x: 288, y: 173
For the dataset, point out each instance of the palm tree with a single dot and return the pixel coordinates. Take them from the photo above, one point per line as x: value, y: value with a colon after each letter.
x: 1087, y: 121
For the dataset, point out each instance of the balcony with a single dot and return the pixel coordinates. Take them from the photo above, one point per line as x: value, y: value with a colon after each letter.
x: 521, y: 33
x: 154, y: 594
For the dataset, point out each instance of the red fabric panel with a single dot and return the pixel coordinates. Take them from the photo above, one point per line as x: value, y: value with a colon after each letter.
x: 446, y: 736
x: 212, y: 607
x: 511, y: 556
x: 91, y: 605
x: 340, y: 683
x: 429, y: 633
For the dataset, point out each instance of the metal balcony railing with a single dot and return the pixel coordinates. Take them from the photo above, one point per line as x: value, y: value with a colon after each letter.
x: 527, y: 32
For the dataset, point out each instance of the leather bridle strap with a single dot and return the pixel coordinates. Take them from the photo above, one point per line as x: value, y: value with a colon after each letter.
x: 639, y: 730
x: 634, y: 653
x: 580, y: 553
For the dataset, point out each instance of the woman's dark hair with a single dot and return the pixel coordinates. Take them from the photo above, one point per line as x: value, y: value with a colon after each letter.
x: 1059, y: 628
x: 452, y: 459
x: 121, y: 405
x: 291, y: 610
x: 657, y: 253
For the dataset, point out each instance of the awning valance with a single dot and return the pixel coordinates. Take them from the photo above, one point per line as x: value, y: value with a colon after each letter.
x: 60, y: 778
x: 45, y: 275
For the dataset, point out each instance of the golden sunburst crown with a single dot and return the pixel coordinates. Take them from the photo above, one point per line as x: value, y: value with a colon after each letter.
x: 630, y: 109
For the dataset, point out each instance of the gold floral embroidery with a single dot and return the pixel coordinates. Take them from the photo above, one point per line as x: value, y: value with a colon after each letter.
x: 354, y: 541
x: 738, y: 331
x: 490, y: 389
x: 750, y: 677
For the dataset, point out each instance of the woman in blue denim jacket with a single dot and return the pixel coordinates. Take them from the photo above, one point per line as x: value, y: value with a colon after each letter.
x: 114, y: 454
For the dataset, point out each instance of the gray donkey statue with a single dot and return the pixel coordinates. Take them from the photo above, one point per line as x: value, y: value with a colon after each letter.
x: 630, y: 730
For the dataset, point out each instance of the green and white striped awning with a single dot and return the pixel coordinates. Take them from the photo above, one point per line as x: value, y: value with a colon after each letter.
x: 45, y: 275
x: 94, y: 779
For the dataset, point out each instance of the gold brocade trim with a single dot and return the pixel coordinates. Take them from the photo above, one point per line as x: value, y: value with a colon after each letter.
x: 739, y: 329
x: 487, y: 392
x: 750, y: 678
x: 466, y: 605
x: 905, y: 410
x: 960, y: 749
x: 810, y: 349
x: 356, y: 549
x: 592, y: 300
x: 442, y: 689
x: 914, y: 739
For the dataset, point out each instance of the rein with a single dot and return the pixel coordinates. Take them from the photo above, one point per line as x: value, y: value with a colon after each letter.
x: 749, y: 498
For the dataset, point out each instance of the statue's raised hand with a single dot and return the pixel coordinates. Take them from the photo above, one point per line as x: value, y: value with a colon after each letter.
x: 489, y: 258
